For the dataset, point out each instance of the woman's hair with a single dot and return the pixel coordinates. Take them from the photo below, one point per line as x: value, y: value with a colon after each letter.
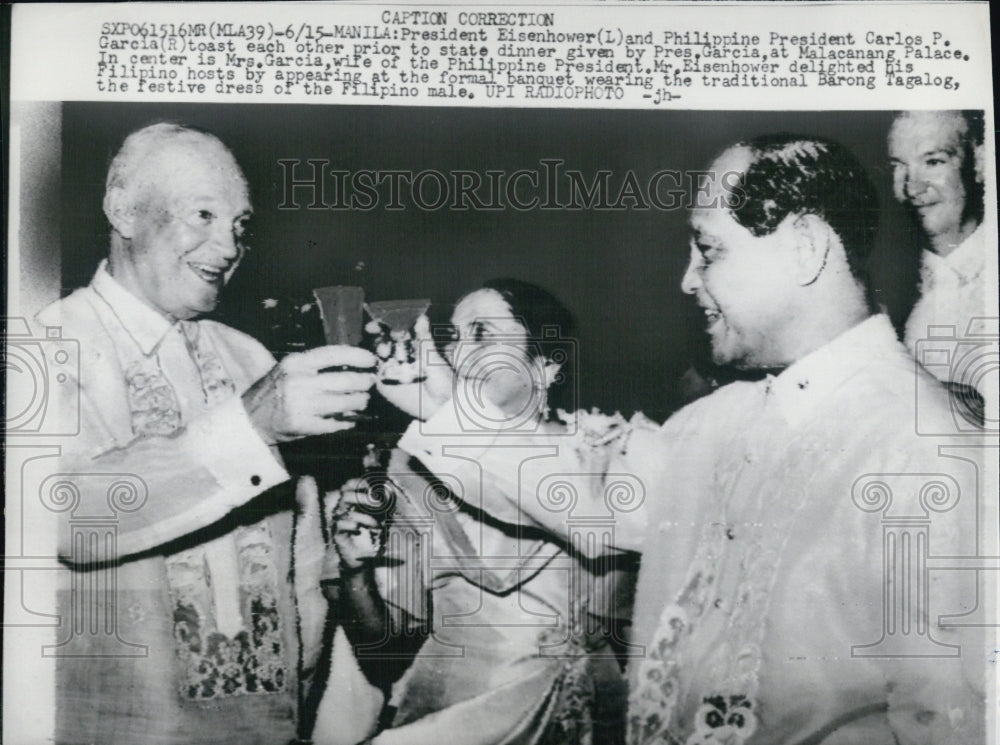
x: 551, y: 331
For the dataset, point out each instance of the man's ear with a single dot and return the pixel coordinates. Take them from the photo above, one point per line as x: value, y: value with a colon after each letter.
x: 813, y: 240
x: 120, y: 211
x: 979, y: 162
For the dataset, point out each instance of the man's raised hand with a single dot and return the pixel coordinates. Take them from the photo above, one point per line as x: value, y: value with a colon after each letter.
x: 311, y: 393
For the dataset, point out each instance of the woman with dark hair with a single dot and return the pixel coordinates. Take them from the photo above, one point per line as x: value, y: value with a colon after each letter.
x: 551, y: 334
x: 500, y: 634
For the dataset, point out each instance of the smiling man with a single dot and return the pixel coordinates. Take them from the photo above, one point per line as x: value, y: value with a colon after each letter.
x: 208, y: 638
x: 179, y: 214
x: 768, y: 272
x: 771, y: 588
x: 763, y: 593
x: 937, y: 172
x: 937, y: 167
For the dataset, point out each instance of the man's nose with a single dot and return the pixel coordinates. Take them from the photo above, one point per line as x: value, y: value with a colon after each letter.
x: 691, y: 280
x: 914, y: 184
x: 225, y: 242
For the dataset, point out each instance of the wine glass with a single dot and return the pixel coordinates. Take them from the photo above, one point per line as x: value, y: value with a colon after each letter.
x: 395, y: 340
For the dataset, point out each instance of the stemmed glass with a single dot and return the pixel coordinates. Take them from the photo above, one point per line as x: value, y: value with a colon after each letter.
x: 395, y: 342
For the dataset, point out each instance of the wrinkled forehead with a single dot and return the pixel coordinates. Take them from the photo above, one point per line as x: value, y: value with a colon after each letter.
x: 193, y: 167
x: 918, y: 132
x: 725, y: 174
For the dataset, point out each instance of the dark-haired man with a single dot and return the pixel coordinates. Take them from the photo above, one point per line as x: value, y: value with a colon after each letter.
x: 763, y: 593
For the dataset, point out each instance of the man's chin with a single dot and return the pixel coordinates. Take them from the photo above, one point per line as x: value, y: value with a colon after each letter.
x: 200, y: 306
x: 725, y: 358
x: 930, y: 228
x: 736, y: 359
x: 933, y: 223
x: 724, y: 352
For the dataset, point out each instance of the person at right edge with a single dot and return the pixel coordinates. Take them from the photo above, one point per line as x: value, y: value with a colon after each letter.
x: 937, y: 174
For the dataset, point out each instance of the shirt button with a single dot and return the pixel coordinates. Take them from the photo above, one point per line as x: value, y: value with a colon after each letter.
x: 255, y: 480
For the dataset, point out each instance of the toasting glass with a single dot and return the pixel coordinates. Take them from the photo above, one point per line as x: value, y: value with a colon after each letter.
x: 341, y: 311
x: 395, y: 340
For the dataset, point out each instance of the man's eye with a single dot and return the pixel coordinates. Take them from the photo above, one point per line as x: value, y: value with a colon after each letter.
x: 934, y: 162
x: 205, y: 216
x: 478, y: 331
x: 707, y: 253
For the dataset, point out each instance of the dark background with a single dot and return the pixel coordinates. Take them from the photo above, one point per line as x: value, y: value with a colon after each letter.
x: 618, y: 271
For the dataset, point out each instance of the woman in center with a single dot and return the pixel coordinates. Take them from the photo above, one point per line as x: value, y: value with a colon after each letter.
x: 486, y: 631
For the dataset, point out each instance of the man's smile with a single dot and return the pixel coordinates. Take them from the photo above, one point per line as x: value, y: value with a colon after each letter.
x: 712, y: 314
x: 212, y: 275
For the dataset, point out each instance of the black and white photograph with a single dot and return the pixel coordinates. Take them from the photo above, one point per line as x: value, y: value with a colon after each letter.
x: 399, y: 422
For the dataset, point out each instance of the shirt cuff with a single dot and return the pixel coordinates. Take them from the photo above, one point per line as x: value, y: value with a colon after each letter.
x: 227, y: 445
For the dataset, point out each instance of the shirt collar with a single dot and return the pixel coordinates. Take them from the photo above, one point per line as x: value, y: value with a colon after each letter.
x: 967, y: 260
x: 143, y: 324
x: 810, y: 380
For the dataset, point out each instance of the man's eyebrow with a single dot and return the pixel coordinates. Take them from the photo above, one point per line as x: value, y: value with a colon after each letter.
x: 203, y: 197
x: 934, y: 151
x: 195, y: 200
x: 484, y: 321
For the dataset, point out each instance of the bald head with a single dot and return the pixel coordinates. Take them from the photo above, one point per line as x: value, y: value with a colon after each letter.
x: 178, y: 204
x: 160, y: 150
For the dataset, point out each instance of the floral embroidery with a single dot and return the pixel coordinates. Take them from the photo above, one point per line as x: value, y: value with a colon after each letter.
x: 729, y: 669
x: 216, y: 384
x: 151, y: 399
x: 723, y: 720
x: 571, y: 722
x: 215, y: 665
x: 657, y: 690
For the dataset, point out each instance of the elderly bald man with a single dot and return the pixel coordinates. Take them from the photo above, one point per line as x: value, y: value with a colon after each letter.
x: 209, y: 639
